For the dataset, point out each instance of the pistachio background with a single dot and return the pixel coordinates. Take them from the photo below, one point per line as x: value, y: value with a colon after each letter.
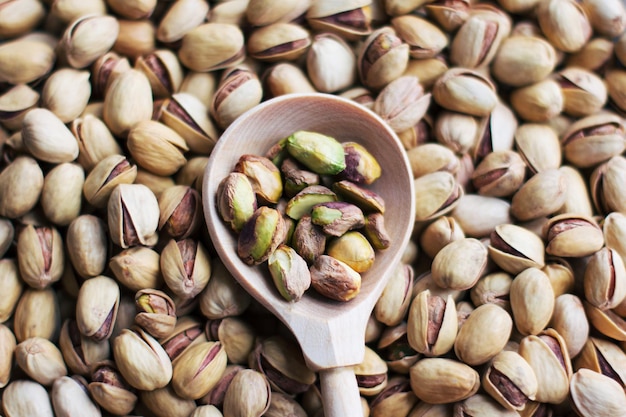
x: 510, y: 300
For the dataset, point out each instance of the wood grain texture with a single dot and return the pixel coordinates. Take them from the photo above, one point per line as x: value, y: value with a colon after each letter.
x: 330, y: 333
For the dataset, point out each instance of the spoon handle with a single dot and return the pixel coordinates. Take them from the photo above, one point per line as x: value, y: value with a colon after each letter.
x: 340, y: 393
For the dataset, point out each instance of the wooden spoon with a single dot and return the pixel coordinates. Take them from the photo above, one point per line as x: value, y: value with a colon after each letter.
x: 331, y: 334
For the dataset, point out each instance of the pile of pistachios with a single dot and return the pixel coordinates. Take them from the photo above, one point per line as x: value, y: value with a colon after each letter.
x: 290, y: 230
x: 509, y: 301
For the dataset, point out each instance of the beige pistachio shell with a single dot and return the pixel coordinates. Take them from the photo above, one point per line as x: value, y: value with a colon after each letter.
x: 538, y: 145
x: 436, y: 194
x: 221, y: 45
x: 89, y: 37
x: 96, y: 307
x: 593, y: 393
x: 12, y: 285
x: 459, y: 264
x: 47, y: 138
x: 26, y: 398
x: 432, y: 324
x: 107, y: 174
x: 40, y: 256
x: 199, y: 369
x: 156, y: 147
x: 543, y: 194
x: 27, y: 58
x: 382, y: 58
x: 140, y: 205
x: 248, y: 394
x: 570, y: 321
x: 443, y: 381
x: 523, y: 60
x: 572, y: 235
x: 87, y: 243
x: 278, y: 41
x: 7, y: 350
x: 127, y: 101
x: 15, y: 103
x: 37, y: 314
x: 458, y: 89
x: 61, y: 196
x: 40, y: 359
x: 532, y: 301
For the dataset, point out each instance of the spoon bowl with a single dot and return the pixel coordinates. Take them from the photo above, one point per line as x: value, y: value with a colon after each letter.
x: 330, y: 333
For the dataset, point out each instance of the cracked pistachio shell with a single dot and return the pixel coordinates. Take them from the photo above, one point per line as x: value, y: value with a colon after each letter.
x: 216, y: 396
x: 109, y: 389
x: 23, y: 398
x: 87, y: 245
x: 248, y: 394
x: 95, y: 141
x: 402, y: 103
x: 479, y: 37
x: 595, y: 394
x: 483, y: 334
x: 432, y: 324
x: 564, y: 23
x: 482, y: 405
x: 538, y: 102
x: 7, y: 349
x: 47, y: 138
x: 543, y: 194
x: 37, y: 314
x: 70, y: 397
x: 606, y: 186
x: 607, y: 17
x: 61, y: 196
x: 497, y: 132
x: 40, y: 359
x: 353, y: 249
x: 593, y: 139
x: 105, y: 176
x: 212, y: 46
x: 156, y: 312
x: 349, y: 19
x: 96, y: 307
x: 21, y: 184
x: 40, y: 256
x: 439, y: 233
x: 180, y: 211
x: 223, y: 296
x: 88, y: 38
x: 188, y: 116
x: 163, y: 71
x: 493, y: 288
x: 12, y: 286
x: 458, y: 88
x: 141, y: 360
x: 450, y: 16
x: 523, y: 60
x: 500, y: 174
x: 263, y: 175
x: 607, y: 322
x: 186, y: 267
x: 133, y: 215
x: 180, y: 18
x: 547, y: 355
x: 395, y: 300
x: 156, y: 147
x: 127, y: 102
x: 282, y: 363
x: 539, y: 146
x: 532, y: 301
x: 15, y: 103
x: 603, y: 357
x: 200, y: 367
x: 7, y: 233
x: 278, y: 41
x: 436, y: 194
x: 66, y: 93
x: 238, y: 91
x: 584, y: 92
x: 289, y: 272
x: 396, y: 399
x: 443, y: 381
x: 79, y: 351
x: 570, y: 321
x: 371, y: 373
x: 395, y: 349
x: 27, y: 58
x: 459, y: 264
x: 425, y: 39
x: 106, y: 68
x: 605, y: 279
x: 382, y: 58
x: 330, y: 63
x: 187, y: 332
x: 432, y: 157
x: 283, y: 405
x: 572, y: 235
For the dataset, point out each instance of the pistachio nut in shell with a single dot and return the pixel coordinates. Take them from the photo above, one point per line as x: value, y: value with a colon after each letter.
x: 395, y: 300
x: 239, y: 90
x: 425, y: 39
x: 179, y: 208
x: 26, y: 398
x: 127, y: 101
x: 87, y: 245
x: 532, y: 301
x: 66, y: 93
x: 106, y: 175
x: 493, y: 288
x: 47, y: 138
x: 383, y: 57
x: 330, y: 63
x: 432, y: 324
x: 37, y: 314
x: 523, y: 60
x: 510, y: 380
x: 79, y: 351
x: 471, y: 253
x: 26, y: 59
x: 137, y: 268
x: 75, y: 387
x: 180, y: 18
x: 221, y: 46
x: 614, y: 228
x: 607, y: 322
x: 584, y: 92
x: 595, y: 394
x: 500, y: 174
x: 604, y: 357
x: 156, y: 147
x: 281, y: 405
x: 436, y: 194
x: 7, y: 350
x: 20, y: 17
x: 483, y: 335
x: 432, y: 157
x: 109, y: 389
x: 222, y: 296
x: 572, y: 235
x: 543, y: 194
x: 278, y: 41
x: 141, y: 360
x: 237, y: 336
x: 15, y: 103
x: 163, y: 71
x: 96, y: 307
x: 443, y: 381
x: 482, y: 405
x: 187, y: 333
x: 604, y: 279
x: 348, y: 19
x: 547, y: 355
x: 458, y: 88
x: 40, y: 359
x: 570, y: 321
x: 133, y: 215
x: 199, y: 369
x: 577, y: 198
x: 185, y: 267
x: 12, y: 285
x: 156, y: 312
x: 570, y: 36
x: 605, y: 186
x: 87, y: 38
x: 539, y: 147
x: 61, y: 196
x: 402, y: 103
x: 40, y: 256
x: 248, y: 394
x: 439, y: 233
x: 371, y: 373
x: 21, y: 184
x: 539, y: 102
